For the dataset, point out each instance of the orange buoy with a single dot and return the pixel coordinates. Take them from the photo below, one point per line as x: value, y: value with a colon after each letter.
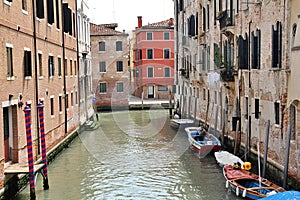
x: 247, y: 165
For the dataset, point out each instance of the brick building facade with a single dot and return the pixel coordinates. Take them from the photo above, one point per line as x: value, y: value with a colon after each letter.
x: 38, y: 50
x: 234, y: 62
x: 110, y: 67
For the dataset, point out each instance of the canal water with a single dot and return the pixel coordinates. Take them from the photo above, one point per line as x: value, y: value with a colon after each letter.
x: 133, y: 155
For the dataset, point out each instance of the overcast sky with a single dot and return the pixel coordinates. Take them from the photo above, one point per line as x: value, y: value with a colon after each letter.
x: 125, y: 12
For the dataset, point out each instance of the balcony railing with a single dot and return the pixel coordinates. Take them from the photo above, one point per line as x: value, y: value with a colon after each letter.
x: 227, y: 74
x: 225, y: 18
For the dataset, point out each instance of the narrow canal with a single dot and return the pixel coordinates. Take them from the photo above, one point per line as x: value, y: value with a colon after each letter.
x: 133, y: 155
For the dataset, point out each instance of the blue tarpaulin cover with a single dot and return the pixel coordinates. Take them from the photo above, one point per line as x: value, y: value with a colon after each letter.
x: 288, y: 195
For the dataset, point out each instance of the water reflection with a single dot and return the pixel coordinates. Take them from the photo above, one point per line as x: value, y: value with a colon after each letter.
x: 134, y: 155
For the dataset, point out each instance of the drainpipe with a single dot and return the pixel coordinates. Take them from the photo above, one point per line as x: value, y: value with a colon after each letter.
x: 36, y: 77
x: 78, y: 59
x: 249, y: 86
x: 64, y: 65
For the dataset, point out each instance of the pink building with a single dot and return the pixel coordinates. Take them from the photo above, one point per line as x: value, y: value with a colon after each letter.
x: 154, y: 59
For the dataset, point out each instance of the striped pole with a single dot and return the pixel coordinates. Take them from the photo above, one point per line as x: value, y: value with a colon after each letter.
x: 40, y: 107
x: 27, y: 111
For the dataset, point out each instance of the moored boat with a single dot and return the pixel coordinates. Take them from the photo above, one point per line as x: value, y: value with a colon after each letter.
x: 181, y: 123
x: 248, y: 184
x: 225, y: 158
x: 205, y: 146
x: 287, y: 195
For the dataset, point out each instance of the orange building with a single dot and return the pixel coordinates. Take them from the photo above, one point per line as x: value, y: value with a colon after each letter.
x: 154, y: 59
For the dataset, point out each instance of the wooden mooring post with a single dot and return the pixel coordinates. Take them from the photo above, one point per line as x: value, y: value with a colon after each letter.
x: 287, y: 156
x: 266, y: 146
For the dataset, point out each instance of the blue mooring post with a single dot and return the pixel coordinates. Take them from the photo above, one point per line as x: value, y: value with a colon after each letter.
x: 27, y: 112
x: 40, y: 107
x: 287, y: 156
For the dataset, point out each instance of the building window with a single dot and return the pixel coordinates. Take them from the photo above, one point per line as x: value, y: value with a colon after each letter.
x: 59, y: 66
x: 66, y: 67
x: 102, y: 66
x: 166, y: 53
x: 60, y: 103
x: 204, y: 94
x: 40, y: 63
x: 149, y: 35
x: 119, y: 46
x: 256, y: 113
x: 102, y: 87
x: 277, y: 45
x: 162, y: 88
x: 76, y: 98
x: 167, y: 72
x: 72, y: 99
x: 40, y: 9
x: 256, y: 50
x: 166, y: 36
x: 149, y: 53
x: 50, y: 12
x: 24, y: 4
x: 294, y: 30
x: 150, y: 72
x: 246, y: 107
x: 243, y: 52
x: 277, y: 113
x: 57, y: 14
x: 120, y: 87
x: 51, y: 106
x: 101, y: 46
x: 67, y: 100
x: 75, y: 67
x: 51, y: 66
x: 27, y: 63
x: 71, y: 68
x: 119, y: 66
x: 9, y: 56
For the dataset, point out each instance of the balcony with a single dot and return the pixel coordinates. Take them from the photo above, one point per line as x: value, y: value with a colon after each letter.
x: 225, y: 18
x: 227, y: 74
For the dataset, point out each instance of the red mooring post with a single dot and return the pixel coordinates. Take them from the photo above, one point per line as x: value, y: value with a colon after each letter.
x: 27, y: 112
x: 40, y: 107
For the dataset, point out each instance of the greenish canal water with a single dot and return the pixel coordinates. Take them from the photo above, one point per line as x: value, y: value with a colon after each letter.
x: 133, y: 155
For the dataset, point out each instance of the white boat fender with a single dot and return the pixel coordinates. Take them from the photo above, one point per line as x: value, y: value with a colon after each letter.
x: 244, y: 193
x: 237, y: 192
x: 227, y: 184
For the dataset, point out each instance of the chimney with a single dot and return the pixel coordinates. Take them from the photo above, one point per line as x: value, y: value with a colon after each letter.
x: 140, y: 21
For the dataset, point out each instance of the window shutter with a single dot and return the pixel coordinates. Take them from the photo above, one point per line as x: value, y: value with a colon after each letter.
x: 204, y: 20
x: 245, y: 53
x: 279, y: 32
x: 192, y: 25
x: 196, y: 23
x: 240, y: 52
x: 40, y: 9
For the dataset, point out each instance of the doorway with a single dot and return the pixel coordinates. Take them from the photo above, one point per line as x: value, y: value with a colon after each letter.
x: 150, y: 91
x: 10, y: 134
